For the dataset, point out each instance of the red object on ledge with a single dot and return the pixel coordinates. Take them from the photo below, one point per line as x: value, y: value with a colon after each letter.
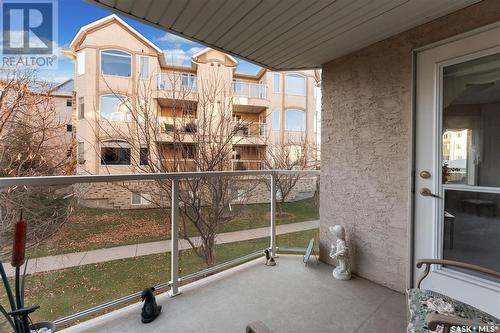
x: 19, y: 246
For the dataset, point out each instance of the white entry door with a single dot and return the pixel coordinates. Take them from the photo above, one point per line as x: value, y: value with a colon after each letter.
x: 457, y: 165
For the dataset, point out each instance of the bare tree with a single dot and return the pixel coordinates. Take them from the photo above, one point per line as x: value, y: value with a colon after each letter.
x: 31, y: 145
x: 299, y: 155
x: 192, y: 130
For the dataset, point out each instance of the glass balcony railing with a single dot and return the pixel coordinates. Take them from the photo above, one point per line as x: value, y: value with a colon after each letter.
x: 249, y: 129
x: 107, y: 237
x: 251, y: 90
x: 178, y: 82
x: 248, y: 165
x: 179, y: 124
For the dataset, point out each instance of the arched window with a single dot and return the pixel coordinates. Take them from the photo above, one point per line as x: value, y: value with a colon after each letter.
x: 116, y: 62
x: 295, y: 84
x: 115, y: 108
x: 115, y: 153
x: 295, y: 120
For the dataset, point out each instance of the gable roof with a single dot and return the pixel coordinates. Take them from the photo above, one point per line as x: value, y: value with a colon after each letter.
x: 208, y: 49
x: 64, y: 89
x: 113, y: 17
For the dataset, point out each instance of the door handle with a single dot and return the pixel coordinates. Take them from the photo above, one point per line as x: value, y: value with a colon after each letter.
x: 427, y: 193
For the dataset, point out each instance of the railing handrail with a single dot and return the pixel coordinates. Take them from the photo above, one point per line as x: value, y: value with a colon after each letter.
x: 75, y: 179
x: 249, y: 83
x: 249, y: 122
x: 177, y: 75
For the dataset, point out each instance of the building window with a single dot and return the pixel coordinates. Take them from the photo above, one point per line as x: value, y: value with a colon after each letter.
x: 295, y: 120
x: 81, y: 108
x: 294, y: 152
x: 277, y: 83
x: 69, y: 102
x: 188, y: 80
x: 276, y: 120
x: 140, y: 199
x: 115, y: 153
x: 115, y: 108
x: 80, y: 151
x: 188, y: 152
x: 295, y: 84
x: 144, y: 156
x: 80, y: 61
x: 116, y: 62
x: 144, y: 68
x: 69, y: 128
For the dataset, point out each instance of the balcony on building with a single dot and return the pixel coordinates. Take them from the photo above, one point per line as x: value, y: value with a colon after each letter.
x: 178, y: 157
x: 177, y: 121
x: 249, y: 97
x: 249, y: 129
x: 249, y: 157
x: 176, y: 86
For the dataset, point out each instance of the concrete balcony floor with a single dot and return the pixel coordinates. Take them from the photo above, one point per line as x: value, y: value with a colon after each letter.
x: 289, y: 297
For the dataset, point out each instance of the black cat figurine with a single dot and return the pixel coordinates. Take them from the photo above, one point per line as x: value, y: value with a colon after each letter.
x: 150, y: 310
x: 269, y: 259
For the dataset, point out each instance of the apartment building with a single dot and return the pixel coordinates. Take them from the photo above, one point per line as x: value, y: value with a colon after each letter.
x: 62, y: 97
x: 116, y: 67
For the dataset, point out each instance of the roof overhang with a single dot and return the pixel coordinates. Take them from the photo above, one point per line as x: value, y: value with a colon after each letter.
x: 285, y: 35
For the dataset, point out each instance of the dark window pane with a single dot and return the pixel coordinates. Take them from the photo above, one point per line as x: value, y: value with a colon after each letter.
x: 188, y: 152
x: 472, y: 228
x: 144, y: 156
x: 115, y: 156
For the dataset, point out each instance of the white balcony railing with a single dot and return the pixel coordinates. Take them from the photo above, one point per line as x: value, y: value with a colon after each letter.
x: 175, y: 178
x: 251, y: 90
x: 177, y: 82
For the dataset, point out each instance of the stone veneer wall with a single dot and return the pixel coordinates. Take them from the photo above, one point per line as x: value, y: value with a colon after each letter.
x: 118, y: 195
x: 367, y: 145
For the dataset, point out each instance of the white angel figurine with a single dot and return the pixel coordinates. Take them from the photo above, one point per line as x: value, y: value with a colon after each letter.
x: 340, y: 253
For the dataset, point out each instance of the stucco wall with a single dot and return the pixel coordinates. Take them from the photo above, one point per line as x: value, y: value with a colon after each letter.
x: 366, y: 145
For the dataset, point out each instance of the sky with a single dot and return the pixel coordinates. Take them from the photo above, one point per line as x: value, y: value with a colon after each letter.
x: 73, y: 14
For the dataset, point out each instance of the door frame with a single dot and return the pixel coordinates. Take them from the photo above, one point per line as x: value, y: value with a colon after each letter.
x: 437, y: 241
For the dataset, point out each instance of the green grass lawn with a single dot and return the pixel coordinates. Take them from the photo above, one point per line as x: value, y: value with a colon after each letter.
x: 70, y: 290
x: 93, y: 228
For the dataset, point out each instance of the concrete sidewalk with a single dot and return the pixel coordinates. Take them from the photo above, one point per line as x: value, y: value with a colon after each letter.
x: 61, y: 261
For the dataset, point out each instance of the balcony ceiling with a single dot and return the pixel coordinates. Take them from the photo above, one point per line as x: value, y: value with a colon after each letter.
x: 285, y: 34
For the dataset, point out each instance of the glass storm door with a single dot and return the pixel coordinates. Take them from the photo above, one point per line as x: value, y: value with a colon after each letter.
x: 457, y: 165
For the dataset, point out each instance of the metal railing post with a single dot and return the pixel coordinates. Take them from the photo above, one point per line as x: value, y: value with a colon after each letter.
x: 174, y: 254
x: 273, y: 215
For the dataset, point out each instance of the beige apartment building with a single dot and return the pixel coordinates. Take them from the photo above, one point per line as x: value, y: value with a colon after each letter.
x: 117, y: 70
